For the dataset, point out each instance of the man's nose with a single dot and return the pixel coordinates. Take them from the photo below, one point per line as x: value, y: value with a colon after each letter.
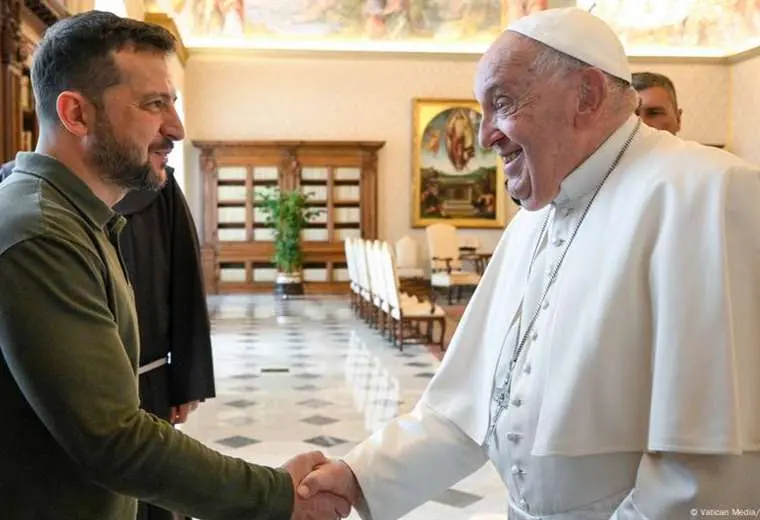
x: 173, y: 127
x: 486, y: 133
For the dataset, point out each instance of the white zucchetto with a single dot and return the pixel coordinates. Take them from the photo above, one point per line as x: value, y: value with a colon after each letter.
x: 579, y: 34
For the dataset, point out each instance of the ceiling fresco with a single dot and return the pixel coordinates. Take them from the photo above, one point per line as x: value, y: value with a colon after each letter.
x: 682, y: 27
x: 647, y: 27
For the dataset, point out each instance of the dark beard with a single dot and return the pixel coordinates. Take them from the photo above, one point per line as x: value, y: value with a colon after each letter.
x: 119, y: 162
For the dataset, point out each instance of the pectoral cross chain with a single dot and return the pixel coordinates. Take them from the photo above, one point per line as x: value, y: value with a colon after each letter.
x: 503, y: 393
x: 502, y: 399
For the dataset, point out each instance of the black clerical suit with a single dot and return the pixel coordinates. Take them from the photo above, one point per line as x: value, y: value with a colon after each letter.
x: 160, y: 248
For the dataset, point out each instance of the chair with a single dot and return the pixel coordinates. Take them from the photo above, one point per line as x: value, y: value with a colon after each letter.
x: 353, y: 276
x: 362, y: 271
x: 405, y: 314
x: 406, y: 259
x: 445, y: 263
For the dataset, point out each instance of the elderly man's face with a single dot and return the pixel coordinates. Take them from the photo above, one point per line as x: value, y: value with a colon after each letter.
x: 657, y: 110
x: 527, y: 120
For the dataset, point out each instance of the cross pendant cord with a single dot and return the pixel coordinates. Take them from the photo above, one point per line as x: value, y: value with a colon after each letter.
x: 503, y: 394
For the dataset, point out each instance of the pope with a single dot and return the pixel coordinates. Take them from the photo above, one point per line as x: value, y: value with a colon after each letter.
x: 606, y: 363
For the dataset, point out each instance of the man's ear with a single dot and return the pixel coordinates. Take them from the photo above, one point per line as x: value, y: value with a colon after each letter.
x: 591, y: 94
x: 679, y: 113
x: 638, y: 106
x: 75, y: 112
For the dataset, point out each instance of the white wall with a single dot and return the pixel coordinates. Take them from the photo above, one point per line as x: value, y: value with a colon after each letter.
x: 344, y: 98
x: 703, y: 94
x: 179, y: 156
x: 333, y: 99
x: 745, y: 109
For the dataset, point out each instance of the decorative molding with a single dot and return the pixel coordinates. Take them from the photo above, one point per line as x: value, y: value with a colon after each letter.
x: 208, y: 166
x: 247, y: 53
x: 233, y: 144
x: 48, y: 11
x: 79, y: 6
x: 234, y: 53
x: 746, y: 55
x: 22, y: 24
x: 290, y: 169
x: 26, y: 49
x: 10, y: 30
x: 695, y: 60
x: 165, y: 21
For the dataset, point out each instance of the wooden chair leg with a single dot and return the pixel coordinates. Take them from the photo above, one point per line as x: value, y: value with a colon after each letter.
x: 443, y: 335
x: 401, y: 335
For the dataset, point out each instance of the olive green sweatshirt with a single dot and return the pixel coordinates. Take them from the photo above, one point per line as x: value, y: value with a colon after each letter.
x: 74, y: 443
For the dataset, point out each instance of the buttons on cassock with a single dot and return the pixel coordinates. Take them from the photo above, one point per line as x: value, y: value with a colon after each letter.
x: 513, y: 437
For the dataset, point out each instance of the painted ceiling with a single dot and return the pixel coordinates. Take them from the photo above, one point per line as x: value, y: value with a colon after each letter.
x: 647, y: 27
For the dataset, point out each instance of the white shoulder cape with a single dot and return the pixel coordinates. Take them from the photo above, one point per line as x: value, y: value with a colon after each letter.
x: 654, y: 323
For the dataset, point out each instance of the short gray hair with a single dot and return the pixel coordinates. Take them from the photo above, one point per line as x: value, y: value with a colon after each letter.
x: 550, y: 61
x: 646, y: 80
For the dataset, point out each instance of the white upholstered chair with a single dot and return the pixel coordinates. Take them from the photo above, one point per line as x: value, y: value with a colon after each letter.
x: 445, y: 265
x: 407, y: 262
x: 407, y: 315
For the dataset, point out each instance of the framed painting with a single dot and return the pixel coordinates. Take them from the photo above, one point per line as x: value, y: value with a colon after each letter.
x: 454, y: 180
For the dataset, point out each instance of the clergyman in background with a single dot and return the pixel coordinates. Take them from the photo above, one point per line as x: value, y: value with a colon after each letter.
x: 161, y: 253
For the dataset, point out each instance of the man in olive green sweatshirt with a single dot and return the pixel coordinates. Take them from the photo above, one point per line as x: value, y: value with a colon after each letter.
x: 75, y: 444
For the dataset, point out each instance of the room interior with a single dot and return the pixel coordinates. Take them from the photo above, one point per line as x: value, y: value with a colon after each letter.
x: 239, y: 89
x: 296, y: 106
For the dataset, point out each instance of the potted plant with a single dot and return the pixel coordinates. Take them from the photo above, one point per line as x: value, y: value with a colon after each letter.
x: 287, y: 212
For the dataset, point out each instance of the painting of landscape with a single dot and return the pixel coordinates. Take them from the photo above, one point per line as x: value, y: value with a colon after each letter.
x: 454, y: 179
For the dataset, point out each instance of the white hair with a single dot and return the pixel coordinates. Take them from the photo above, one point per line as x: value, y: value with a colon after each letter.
x: 550, y: 62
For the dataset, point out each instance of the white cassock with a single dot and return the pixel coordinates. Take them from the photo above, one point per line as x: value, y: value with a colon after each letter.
x: 637, y: 393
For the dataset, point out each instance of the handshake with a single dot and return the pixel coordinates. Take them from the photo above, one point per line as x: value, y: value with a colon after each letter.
x: 324, y: 489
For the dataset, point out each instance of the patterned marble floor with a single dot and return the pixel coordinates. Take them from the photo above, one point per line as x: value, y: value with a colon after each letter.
x: 300, y: 375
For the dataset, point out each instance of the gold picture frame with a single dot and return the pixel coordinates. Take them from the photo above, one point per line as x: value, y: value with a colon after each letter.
x: 454, y: 180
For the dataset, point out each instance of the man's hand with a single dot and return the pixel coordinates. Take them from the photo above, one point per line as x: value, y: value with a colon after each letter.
x: 178, y: 414
x: 319, y: 506
x: 333, y: 477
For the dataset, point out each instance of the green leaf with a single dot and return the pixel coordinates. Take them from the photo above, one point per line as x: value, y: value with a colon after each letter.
x: 287, y: 213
